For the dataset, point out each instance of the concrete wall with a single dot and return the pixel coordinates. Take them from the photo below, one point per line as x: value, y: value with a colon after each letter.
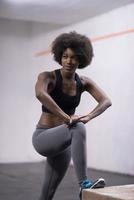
x: 110, y: 137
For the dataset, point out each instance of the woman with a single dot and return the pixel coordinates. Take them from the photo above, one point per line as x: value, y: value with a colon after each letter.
x: 60, y: 133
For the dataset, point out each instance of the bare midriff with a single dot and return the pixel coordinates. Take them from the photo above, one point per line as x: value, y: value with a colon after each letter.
x: 50, y: 120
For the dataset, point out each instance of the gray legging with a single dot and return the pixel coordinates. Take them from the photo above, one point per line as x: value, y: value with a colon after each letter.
x: 58, y: 144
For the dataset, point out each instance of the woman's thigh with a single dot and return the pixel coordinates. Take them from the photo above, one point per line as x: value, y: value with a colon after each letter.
x: 51, y: 141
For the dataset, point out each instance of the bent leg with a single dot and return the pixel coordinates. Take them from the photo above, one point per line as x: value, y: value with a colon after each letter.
x: 54, y: 172
x: 51, y: 141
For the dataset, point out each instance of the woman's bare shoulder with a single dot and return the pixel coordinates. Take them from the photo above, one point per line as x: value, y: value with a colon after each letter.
x: 46, y: 75
x: 87, y: 82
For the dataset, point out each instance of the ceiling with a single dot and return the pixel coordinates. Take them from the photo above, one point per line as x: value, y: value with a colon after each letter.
x: 57, y: 12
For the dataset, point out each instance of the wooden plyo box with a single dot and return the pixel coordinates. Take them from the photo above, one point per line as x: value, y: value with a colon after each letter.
x: 123, y: 192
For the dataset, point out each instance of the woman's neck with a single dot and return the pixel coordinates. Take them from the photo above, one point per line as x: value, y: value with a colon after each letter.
x: 67, y: 75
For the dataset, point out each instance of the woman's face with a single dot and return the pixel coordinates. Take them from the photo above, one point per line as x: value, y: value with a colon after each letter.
x: 69, y: 60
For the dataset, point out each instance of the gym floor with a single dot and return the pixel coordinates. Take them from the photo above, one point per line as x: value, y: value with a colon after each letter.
x: 23, y: 181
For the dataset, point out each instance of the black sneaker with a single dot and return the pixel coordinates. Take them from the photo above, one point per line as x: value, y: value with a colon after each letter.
x: 87, y: 184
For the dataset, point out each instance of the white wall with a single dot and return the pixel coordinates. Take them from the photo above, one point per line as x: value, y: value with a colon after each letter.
x: 110, y: 137
x: 16, y: 90
x: 19, y: 108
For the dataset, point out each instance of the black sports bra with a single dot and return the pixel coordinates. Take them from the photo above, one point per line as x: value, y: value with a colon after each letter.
x: 66, y: 102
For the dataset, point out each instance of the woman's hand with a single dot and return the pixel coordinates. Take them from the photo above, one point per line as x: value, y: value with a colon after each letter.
x: 85, y: 118
x: 76, y: 118
x: 79, y: 118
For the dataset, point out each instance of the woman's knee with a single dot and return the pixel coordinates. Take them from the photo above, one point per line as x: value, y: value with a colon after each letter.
x: 80, y: 126
x: 80, y: 129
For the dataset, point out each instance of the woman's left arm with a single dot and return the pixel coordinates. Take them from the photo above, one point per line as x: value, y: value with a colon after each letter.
x: 99, y: 95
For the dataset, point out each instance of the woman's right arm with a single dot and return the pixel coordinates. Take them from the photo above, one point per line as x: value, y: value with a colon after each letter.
x: 41, y: 90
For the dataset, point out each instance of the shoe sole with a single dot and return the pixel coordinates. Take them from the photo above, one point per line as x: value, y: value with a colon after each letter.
x: 98, y: 184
